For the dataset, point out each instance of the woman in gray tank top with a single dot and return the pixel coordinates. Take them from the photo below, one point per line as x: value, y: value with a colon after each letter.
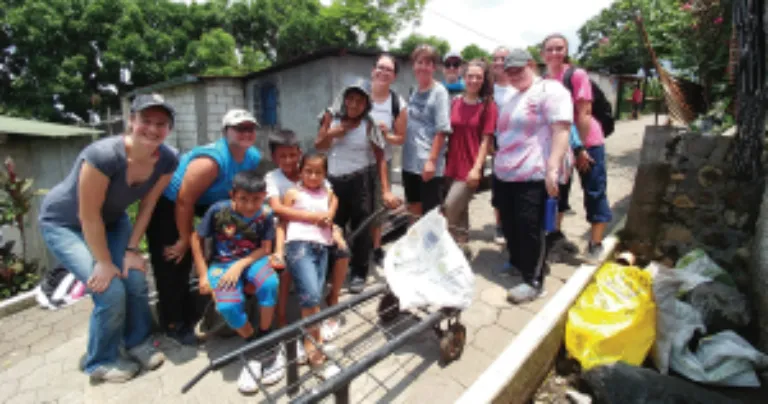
x: 84, y: 223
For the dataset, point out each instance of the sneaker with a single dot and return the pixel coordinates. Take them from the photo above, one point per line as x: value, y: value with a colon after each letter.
x: 119, y: 372
x: 329, y: 370
x: 378, y: 257
x: 276, y: 370
x: 499, y: 237
x: 246, y: 384
x: 509, y: 270
x: 524, y: 293
x: 147, y: 355
x: 301, y: 354
x: 594, y: 252
x: 183, y: 335
x: 329, y: 329
x: 466, y: 251
x: 357, y: 285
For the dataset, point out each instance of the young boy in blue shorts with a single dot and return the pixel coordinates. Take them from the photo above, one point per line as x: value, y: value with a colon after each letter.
x: 243, y: 231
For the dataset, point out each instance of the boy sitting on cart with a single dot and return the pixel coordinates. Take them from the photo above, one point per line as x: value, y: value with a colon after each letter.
x: 243, y: 230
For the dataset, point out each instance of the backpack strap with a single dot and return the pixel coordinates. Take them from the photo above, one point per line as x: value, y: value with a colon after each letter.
x: 395, y: 104
x: 567, y: 78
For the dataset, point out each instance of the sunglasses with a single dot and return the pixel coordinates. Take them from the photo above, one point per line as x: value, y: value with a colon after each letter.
x: 452, y: 65
x: 244, y: 128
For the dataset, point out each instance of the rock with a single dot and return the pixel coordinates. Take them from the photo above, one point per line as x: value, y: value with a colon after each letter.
x: 678, y: 234
x: 708, y: 219
x: 744, y: 223
x: 683, y: 202
x: 722, y: 307
x: 574, y: 397
x: 709, y: 175
x: 730, y: 218
x: 671, y: 188
x: 626, y: 384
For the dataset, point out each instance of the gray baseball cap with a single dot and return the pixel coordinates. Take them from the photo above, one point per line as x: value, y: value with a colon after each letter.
x: 145, y: 101
x: 452, y: 55
x: 517, y: 58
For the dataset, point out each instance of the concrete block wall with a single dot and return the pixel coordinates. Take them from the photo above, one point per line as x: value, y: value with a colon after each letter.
x: 221, y: 95
x: 184, y: 134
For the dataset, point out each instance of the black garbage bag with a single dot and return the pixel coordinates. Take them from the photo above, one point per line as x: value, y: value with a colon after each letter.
x: 722, y: 307
x: 620, y: 383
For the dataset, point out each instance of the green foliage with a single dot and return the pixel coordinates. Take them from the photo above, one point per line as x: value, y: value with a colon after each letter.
x: 535, y: 51
x: 17, y: 274
x: 410, y: 43
x: 63, y: 59
x: 132, y: 211
x: 475, y: 52
x: 715, y: 121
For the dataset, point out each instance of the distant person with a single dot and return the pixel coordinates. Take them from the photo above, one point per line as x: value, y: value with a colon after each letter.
x: 637, y: 102
x: 590, y: 159
x: 501, y: 90
x: 532, y: 131
x: 473, y: 124
x: 452, y: 64
x: 84, y: 223
x: 429, y: 124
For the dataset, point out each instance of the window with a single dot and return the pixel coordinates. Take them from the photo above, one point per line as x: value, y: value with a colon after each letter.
x: 265, y: 102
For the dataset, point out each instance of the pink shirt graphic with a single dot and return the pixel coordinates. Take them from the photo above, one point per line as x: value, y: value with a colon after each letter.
x: 582, y: 91
x: 525, y: 133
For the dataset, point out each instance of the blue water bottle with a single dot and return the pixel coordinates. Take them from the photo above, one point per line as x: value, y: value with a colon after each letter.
x: 550, y: 214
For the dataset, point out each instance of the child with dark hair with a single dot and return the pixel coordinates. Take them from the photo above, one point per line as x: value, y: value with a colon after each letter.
x: 307, y: 247
x: 243, y: 231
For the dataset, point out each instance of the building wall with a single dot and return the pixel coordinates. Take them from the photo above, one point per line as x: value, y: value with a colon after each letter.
x: 221, y: 95
x: 47, y: 161
x: 610, y: 86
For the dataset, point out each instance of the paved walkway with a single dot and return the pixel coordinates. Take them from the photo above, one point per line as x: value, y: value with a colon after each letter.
x: 39, y: 350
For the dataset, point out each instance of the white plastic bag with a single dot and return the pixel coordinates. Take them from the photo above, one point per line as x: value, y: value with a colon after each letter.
x: 426, y: 267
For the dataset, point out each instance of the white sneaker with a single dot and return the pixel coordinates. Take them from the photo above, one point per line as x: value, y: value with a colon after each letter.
x: 329, y: 330
x: 245, y: 383
x: 301, y: 355
x: 329, y: 370
x: 276, y: 370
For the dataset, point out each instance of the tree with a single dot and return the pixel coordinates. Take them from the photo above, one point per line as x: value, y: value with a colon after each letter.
x: 473, y: 51
x: 535, y: 51
x: 410, y: 43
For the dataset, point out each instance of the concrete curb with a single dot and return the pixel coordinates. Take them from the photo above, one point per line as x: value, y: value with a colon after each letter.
x: 17, y: 303
x: 517, y: 373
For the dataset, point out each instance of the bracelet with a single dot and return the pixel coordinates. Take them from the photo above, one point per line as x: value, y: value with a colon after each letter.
x: 133, y: 250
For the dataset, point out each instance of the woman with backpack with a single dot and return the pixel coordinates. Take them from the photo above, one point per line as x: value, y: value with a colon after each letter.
x: 590, y: 159
x: 473, y: 122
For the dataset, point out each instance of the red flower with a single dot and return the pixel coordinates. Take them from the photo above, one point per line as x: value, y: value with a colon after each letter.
x: 718, y: 20
x: 687, y: 6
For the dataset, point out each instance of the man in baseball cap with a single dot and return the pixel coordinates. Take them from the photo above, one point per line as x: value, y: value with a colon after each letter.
x: 517, y: 58
x: 145, y: 101
x: 236, y: 117
x: 452, y: 63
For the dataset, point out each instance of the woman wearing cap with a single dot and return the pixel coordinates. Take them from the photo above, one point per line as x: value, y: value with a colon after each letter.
x: 355, y: 148
x: 84, y: 223
x: 453, y: 82
x: 532, y: 136
x: 428, y: 125
x: 204, y: 176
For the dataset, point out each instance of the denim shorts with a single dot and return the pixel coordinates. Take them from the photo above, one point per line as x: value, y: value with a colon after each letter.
x: 594, y: 182
x: 308, y: 264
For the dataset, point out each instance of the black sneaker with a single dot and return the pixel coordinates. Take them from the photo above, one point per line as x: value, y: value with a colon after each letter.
x: 378, y: 257
x: 357, y: 285
x: 183, y: 335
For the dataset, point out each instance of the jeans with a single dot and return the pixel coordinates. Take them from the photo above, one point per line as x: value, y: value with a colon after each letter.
x: 356, y: 196
x: 121, y: 313
x: 308, y: 263
x: 595, y: 183
x: 456, y: 209
x: 231, y: 302
x: 521, y: 209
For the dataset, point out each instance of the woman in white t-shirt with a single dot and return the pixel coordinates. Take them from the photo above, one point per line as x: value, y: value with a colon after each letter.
x: 389, y: 112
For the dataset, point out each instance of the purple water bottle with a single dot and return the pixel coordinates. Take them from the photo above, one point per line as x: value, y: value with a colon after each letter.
x: 550, y: 214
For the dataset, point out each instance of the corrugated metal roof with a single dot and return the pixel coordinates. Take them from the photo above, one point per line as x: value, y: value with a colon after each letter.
x: 18, y: 126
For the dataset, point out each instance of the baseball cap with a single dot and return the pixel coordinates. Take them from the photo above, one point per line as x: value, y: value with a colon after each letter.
x: 145, y: 101
x: 452, y: 55
x: 237, y: 116
x: 517, y: 58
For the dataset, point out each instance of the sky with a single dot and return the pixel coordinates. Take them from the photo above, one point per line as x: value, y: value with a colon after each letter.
x: 491, y: 23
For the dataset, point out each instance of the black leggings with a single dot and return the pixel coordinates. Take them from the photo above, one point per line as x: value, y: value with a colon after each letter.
x: 355, y: 194
x: 176, y: 304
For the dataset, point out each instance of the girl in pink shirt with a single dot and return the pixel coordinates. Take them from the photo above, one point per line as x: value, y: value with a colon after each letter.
x: 473, y: 121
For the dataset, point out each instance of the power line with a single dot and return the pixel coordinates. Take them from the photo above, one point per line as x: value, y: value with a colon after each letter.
x: 461, y: 25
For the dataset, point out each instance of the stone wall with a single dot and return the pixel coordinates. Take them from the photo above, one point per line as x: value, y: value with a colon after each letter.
x: 182, y: 98
x: 702, y: 207
x: 759, y: 273
x: 221, y: 95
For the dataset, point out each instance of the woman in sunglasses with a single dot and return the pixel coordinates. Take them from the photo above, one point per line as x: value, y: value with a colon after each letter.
x: 204, y: 177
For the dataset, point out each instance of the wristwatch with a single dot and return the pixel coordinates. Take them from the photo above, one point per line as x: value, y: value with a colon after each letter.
x: 133, y: 250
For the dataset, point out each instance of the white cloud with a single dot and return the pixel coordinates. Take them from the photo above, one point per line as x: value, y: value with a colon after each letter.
x: 504, y: 22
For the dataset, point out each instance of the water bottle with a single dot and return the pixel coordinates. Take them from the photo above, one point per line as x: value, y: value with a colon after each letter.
x: 550, y: 214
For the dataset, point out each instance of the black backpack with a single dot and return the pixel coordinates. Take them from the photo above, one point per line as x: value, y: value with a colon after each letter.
x: 601, y: 108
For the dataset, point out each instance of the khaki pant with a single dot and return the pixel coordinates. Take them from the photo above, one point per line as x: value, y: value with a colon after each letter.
x: 456, y: 209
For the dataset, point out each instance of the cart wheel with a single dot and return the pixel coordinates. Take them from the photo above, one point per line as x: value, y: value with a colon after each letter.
x: 452, y: 343
x: 389, y: 308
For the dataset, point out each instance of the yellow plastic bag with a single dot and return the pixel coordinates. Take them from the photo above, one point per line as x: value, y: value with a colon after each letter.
x: 614, y: 319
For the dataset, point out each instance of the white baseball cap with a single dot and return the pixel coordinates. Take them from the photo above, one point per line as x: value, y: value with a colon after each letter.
x: 237, y: 116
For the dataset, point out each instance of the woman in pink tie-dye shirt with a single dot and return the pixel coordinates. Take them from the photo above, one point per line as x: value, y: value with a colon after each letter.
x: 532, y: 138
